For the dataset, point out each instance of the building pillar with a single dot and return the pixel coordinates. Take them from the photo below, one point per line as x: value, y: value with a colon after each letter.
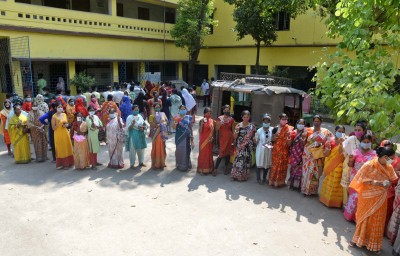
x: 115, y: 71
x: 211, y: 72
x: 248, y: 69
x: 11, y: 1
x: 180, y: 71
x: 142, y: 73
x: 17, y: 78
x: 112, y: 7
x: 71, y: 73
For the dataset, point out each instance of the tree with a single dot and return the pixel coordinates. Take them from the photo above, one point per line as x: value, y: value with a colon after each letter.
x: 357, y: 81
x: 192, y: 25
x: 257, y: 18
x: 82, y: 81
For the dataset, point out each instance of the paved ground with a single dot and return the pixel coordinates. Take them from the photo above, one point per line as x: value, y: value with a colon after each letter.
x: 147, y: 212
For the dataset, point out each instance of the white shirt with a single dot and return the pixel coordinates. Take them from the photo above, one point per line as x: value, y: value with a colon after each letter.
x: 118, y: 96
x: 205, y: 87
x: 106, y: 93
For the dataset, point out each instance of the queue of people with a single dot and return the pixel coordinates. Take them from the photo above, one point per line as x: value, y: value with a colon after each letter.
x: 355, y: 176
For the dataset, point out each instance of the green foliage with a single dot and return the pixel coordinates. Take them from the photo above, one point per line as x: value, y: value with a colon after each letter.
x: 82, y: 81
x: 193, y: 24
x: 358, y: 80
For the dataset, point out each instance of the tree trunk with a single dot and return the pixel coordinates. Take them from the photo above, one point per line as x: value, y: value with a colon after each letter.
x: 258, y: 45
x: 191, y: 66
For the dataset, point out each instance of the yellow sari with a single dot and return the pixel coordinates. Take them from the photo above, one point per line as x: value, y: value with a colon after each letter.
x: 62, y: 141
x: 332, y: 192
x: 19, y: 139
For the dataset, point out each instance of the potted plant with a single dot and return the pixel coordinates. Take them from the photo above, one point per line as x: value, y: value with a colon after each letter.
x: 82, y: 81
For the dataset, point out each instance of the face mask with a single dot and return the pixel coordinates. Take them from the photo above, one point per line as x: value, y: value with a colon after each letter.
x: 7, y: 106
x: 339, y: 135
x: 94, y: 100
x: 28, y: 99
x: 359, y: 134
x: 283, y: 122
x: 59, y: 110
x: 136, y: 112
x: 157, y: 110
x: 182, y: 112
x: 207, y: 115
x: 34, y: 108
x: 300, y: 126
x: 365, y: 145
x: 91, y: 113
x: 227, y: 113
x: 71, y: 103
x: 112, y: 116
x: 266, y: 125
x: 389, y: 161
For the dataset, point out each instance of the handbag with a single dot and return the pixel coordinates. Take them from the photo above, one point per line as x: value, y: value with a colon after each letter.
x: 317, y: 153
x: 121, y: 136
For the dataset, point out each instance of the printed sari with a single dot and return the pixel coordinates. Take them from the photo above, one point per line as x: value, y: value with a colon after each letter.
x: 182, y: 142
x: 296, y: 160
x: 38, y: 135
x: 81, y: 150
x: 159, y: 134
x: 394, y: 223
x: 244, y: 146
x: 19, y: 139
x: 114, y: 143
x: 105, y: 108
x: 3, y: 115
x: 205, y: 162
x: 280, y: 157
x: 371, y: 210
x: 331, y: 191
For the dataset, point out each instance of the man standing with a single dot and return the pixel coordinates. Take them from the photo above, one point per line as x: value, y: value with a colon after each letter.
x: 41, y: 84
x: 108, y: 92
x: 94, y: 91
x: 118, y: 95
x: 205, y: 88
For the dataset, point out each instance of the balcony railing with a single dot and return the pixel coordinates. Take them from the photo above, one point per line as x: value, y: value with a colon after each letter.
x: 40, y: 18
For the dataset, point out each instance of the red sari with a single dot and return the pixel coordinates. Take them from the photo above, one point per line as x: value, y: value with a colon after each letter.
x: 105, y: 116
x: 280, y: 157
x: 225, y: 136
x: 205, y: 163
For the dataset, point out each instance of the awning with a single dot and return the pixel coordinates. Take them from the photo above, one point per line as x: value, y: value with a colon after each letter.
x: 281, y: 90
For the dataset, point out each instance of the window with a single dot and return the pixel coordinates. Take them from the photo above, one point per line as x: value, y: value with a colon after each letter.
x: 63, y: 4
x: 23, y: 1
x: 282, y: 21
x: 120, y: 10
x: 170, y: 15
x: 143, y: 13
x: 211, y: 26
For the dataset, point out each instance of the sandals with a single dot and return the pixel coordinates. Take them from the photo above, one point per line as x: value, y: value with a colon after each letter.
x: 226, y: 171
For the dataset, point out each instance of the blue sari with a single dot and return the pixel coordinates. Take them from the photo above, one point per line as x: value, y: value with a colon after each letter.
x: 182, y: 142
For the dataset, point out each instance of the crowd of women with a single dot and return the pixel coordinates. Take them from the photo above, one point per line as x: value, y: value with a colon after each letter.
x: 355, y: 176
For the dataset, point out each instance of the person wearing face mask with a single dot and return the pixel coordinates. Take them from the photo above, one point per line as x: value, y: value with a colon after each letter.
x: 280, y: 154
x: 3, y: 131
x: 176, y: 101
x: 79, y: 130
x: 159, y: 135
x: 331, y: 191
x: 62, y: 139
x: 183, y: 139
x: 225, y: 127
x: 298, y: 138
x: 356, y: 161
x: 125, y: 107
x: 38, y: 133
x: 136, y: 144
x: 115, y: 140
x: 263, y: 138
x: 94, y: 124
x: 94, y: 103
x: 27, y: 105
x: 349, y: 146
x: 371, y: 183
x: 106, y: 107
x: 205, y: 162
x: 45, y: 119
x: 244, y: 142
x: 314, y: 157
x: 19, y: 136
x: 70, y: 111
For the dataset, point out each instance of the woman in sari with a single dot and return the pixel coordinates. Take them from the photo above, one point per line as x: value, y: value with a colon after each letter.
x: 313, y: 157
x: 280, y: 154
x: 225, y: 127
x: 159, y: 135
x: 38, y: 133
x: 106, y: 107
x: 176, y: 102
x: 80, y: 107
x: 125, y: 108
x: 81, y: 150
x: 244, y: 142
x: 331, y: 191
x: 349, y: 147
x: 298, y: 138
x: 115, y: 140
x: 62, y: 140
x: 3, y: 120
x: 17, y: 128
x: 94, y: 124
x: 394, y: 223
x: 136, y: 142
x: 42, y: 106
x: 94, y: 103
x: 356, y: 160
x: 46, y: 120
x: 371, y: 183
x: 183, y: 139
x: 70, y: 111
x: 205, y: 162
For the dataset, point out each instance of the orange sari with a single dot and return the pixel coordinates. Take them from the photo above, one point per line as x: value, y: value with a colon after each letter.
x: 372, y: 203
x: 205, y: 163
x: 105, y: 116
x: 280, y: 157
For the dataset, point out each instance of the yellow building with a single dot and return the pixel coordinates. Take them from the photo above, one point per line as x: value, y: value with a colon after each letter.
x: 123, y: 40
